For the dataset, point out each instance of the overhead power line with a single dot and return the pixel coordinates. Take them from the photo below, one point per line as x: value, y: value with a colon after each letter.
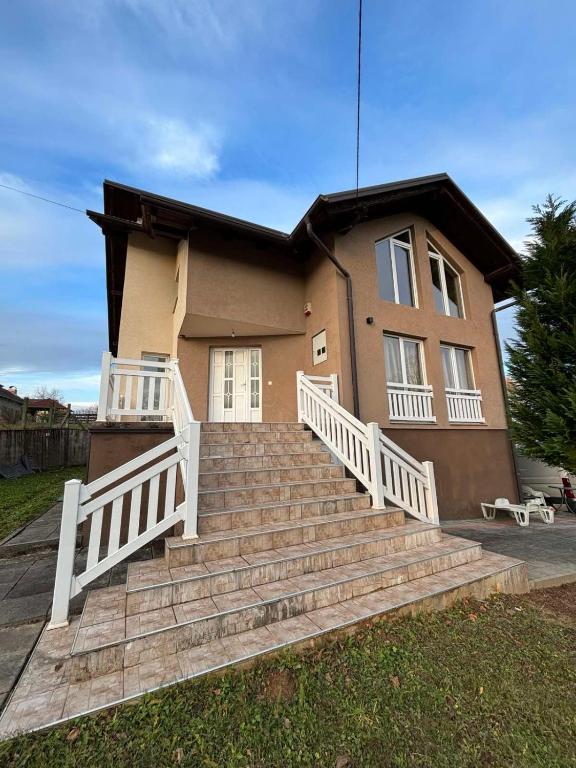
x: 45, y: 199
x: 358, y: 96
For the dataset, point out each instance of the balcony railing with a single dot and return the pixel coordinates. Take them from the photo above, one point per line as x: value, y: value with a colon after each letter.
x: 135, y: 390
x: 410, y: 402
x: 464, y: 406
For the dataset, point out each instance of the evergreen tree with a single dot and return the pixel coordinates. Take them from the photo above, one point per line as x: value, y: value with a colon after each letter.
x: 542, y: 363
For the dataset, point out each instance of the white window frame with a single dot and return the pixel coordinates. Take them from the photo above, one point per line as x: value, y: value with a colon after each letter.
x: 409, y: 402
x: 434, y: 253
x: 394, y: 241
x: 404, y: 381
x: 458, y: 388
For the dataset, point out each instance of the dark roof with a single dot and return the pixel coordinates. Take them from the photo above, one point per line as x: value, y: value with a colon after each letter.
x: 436, y: 198
x: 7, y: 395
x: 45, y: 403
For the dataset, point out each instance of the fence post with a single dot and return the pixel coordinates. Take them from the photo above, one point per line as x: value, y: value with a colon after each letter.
x: 192, y: 437
x: 431, y: 499
x: 377, y: 490
x: 335, y: 393
x: 104, y: 385
x: 299, y: 375
x: 66, y: 552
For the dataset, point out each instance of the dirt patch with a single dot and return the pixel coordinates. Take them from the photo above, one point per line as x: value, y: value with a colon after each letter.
x: 279, y: 686
x: 557, y: 603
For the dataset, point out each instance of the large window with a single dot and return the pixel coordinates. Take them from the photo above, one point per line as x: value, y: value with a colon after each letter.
x: 403, y: 360
x: 409, y: 397
x: 446, y: 285
x: 396, y: 269
x: 457, y: 368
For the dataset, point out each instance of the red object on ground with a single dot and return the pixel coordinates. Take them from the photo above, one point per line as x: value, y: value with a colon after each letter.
x: 568, y: 492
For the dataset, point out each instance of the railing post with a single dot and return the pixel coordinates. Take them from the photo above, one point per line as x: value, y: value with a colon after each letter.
x: 377, y: 490
x: 192, y: 437
x: 104, y: 385
x: 299, y: 375
x: 335, y: 393
x: 431, y: 498
x: 66, y: 552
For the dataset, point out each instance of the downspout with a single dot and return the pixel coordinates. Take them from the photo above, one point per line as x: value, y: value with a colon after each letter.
x: 505, y: 393
x: 350, y: 304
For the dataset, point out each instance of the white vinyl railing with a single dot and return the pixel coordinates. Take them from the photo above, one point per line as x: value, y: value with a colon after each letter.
x: 464, y: 406
x: 138, y: 389
x: 410, y: 402
x: 136, y: 502
x: 383, y: 468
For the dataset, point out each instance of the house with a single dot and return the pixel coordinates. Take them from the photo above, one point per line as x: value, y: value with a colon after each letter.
x: 293, y: 413
x: 392, y: 290
x: 10, y: 405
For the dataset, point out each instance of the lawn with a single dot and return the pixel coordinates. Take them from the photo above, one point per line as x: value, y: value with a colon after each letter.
x: 483, y: 684
x: 25, y: 498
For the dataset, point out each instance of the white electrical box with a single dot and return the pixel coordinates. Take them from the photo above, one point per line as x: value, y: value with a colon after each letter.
x: 319, y: 349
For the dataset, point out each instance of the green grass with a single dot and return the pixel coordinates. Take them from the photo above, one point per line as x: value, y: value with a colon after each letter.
x: 25, y: 498
x: 484, y: 684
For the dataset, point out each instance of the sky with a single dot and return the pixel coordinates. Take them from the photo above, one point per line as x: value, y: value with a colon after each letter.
x: 249, y: 108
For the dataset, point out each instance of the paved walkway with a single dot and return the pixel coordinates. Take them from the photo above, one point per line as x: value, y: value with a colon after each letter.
x: 549, y: 550
x: 27, y: 571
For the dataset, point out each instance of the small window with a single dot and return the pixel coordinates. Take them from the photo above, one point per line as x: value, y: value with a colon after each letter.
x: 446, y: 285
x: 319, y: 349
x: 403, y: 360
x: 457, y: 367
x: 394, y: 261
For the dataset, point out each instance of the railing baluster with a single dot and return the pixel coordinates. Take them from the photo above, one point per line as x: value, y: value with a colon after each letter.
x: 115, y: 520
x: 153, y: 488
x: 134, y: 524
x: 170, y: 494
x: 94, y: 540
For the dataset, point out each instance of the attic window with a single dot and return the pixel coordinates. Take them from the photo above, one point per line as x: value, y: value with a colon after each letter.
x: 446, y: 285
x: 395, y: 264
x: 319, y: 349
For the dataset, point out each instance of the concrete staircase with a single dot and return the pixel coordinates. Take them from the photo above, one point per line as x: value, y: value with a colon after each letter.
x: 288, y: 550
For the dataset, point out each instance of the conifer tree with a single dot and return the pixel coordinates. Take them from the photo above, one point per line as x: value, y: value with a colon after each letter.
x: 542, y: 362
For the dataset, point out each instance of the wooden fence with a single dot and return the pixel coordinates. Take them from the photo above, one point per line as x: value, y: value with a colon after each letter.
x: 48, y: 447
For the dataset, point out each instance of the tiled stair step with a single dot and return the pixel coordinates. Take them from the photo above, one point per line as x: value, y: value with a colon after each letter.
x: 221, y: 438
x: 42, y: 696
x: 271, y: 461
x: 258, y: 538
x: 226, y: 450
x: 231, y: 498
x: 250, y: 426
x: 109, y: 647
x: 247, y: 478
x: 151, y: 585
x: 280, y: 511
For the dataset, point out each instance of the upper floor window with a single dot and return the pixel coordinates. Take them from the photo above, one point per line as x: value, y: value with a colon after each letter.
x: 395, y: 265
x: 446, y: 285
x: 403, y: 360
x: 457, y: 368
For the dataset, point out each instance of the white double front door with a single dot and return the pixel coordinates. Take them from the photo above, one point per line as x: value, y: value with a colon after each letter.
x: 235, y: 384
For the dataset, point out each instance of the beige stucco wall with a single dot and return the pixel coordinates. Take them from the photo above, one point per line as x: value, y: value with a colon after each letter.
x: 146, y: 322
x: 356, y: 251
x: 248, y: 287
x: 181, y: 279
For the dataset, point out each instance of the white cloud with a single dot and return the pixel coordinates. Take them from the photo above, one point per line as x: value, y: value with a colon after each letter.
x: 171, y: 145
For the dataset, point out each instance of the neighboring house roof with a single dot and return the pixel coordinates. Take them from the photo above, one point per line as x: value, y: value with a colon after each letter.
x: 437, y: 198
x: 46, y: 403
x: 6, y: 394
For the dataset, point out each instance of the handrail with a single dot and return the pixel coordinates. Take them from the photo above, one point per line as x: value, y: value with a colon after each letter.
x: 384, y: 468
x: 120, y: 492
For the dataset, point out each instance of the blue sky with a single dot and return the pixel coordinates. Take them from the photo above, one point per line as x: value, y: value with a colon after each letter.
x: 249, y: 108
